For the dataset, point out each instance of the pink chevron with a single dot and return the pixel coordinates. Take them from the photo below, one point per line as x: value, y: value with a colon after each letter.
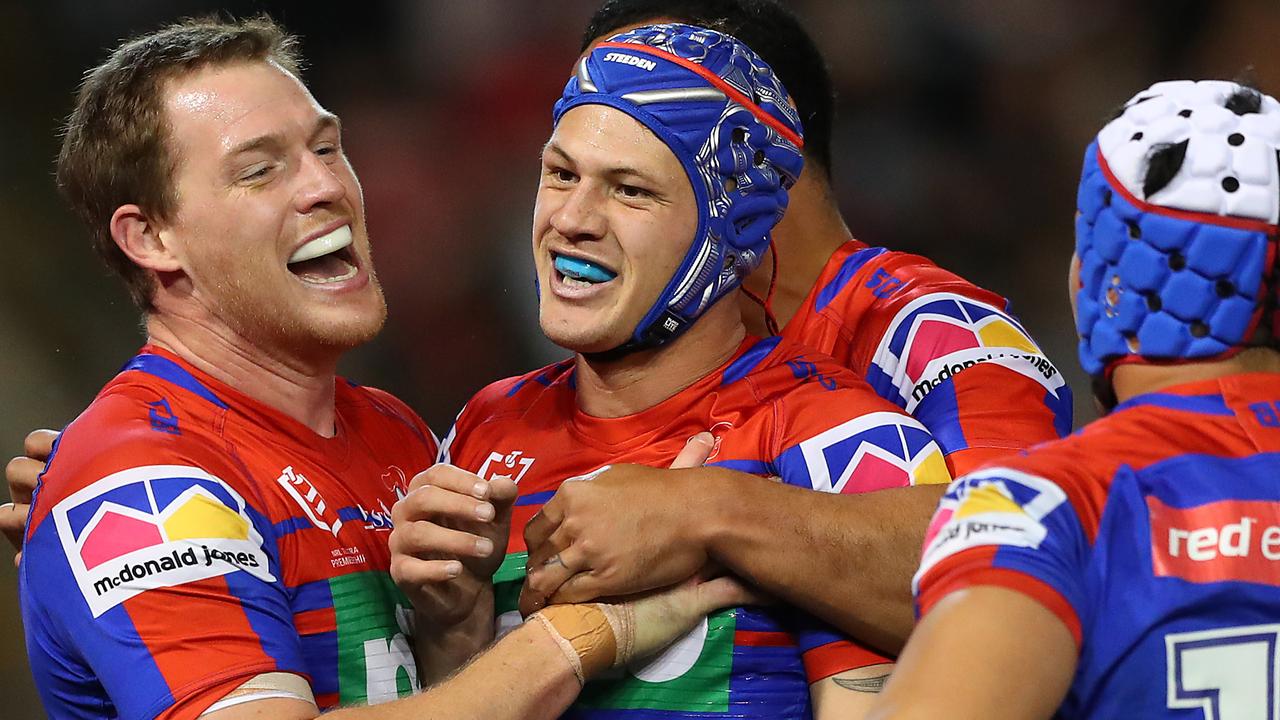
x: 876, y: 473
x: 934, y: 339
x: 116, y: 535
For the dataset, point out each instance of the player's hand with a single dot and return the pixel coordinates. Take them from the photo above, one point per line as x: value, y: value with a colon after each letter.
x: 637, y: 628
x: 664, y: 617
x: 450, y: 536
x: 21, y: 474
x: 622, y: 532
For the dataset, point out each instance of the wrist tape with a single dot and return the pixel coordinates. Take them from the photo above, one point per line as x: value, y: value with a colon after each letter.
x: 593, y: 637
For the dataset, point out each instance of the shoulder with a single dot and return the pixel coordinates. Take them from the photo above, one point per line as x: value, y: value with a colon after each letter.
x: 132, y: 448
x: 385, y: 408
x: 506, y: 401
x: 875, y: 284
x: 833, y: 432
x: 136, y: 422
x: 1076, y: 471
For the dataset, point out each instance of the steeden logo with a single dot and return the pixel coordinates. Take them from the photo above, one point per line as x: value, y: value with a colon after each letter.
x: 155, y: 526
x: 625, y: 59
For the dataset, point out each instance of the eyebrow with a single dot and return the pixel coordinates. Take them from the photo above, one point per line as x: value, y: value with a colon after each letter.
x: 275, y: 141
x: 611, y: 171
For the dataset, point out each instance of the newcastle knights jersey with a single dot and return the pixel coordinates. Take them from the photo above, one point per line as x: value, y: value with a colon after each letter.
x: 776, y: 409
x: 1154, y: 534
x: 941, y: 348
x: 185, y: 538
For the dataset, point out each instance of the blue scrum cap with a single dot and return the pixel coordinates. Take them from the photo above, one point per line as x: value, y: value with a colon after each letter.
x: 729, y: 121
x: 1177, y: 226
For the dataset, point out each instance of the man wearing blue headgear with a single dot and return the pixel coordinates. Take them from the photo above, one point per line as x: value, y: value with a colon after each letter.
x: 1131, y: 569
x: 672, y: 153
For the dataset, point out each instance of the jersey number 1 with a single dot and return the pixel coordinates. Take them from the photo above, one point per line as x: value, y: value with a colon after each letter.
x: 1229, y: 673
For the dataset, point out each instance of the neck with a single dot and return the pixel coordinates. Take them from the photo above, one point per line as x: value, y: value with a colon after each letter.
x: 1132, y: 380
x: 301, y: 389
x: 810, y: 231
x: 643, y: 379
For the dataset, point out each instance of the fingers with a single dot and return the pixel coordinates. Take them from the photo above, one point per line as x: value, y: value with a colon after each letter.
x: 541, y: 526
x: 21, y: 473
x: 451, y: 478
x: 438, y: 502
x: 728, y: 591
x: 409, y: 571
x: 13, y: 522
x: 502, y: 494
x: 547, y: 573
x: 695, y: 452
x: 39, y: 444
x: 428, y: 541
x: 580, y: 587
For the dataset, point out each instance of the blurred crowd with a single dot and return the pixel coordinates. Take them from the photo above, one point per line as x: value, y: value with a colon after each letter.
x: 960, y: 127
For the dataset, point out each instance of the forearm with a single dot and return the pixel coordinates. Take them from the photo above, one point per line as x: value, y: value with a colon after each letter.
x: 524, y: 675
x: 440, y: 651
x: 847, y: 559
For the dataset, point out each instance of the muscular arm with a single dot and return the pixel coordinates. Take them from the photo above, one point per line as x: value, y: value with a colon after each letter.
x: 783, y: 538
x: 982, y: 652
x: 635, y: 527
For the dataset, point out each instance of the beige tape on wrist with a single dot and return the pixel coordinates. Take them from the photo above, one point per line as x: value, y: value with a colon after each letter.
x: 593, y: 637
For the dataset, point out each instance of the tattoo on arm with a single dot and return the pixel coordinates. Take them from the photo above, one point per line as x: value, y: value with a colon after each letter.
x: 863, y: 685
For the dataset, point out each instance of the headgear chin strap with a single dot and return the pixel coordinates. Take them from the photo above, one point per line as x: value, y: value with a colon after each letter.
x: 1177, y: 227
x: 728, y: 120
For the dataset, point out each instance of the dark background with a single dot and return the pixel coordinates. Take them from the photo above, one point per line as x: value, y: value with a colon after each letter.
x: 960, y: 129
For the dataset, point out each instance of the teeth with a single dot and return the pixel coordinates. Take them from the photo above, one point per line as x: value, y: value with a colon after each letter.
x: 350, y: 273
x: 323, y: 245
x: 575, y: 282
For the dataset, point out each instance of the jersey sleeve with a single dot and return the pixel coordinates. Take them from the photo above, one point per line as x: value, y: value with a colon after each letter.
x: 151, y: 577
x: 951, y: 355
x: 1007, y: 527
x: 845, y: 439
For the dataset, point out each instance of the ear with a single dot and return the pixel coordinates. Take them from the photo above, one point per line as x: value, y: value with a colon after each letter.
x: 141, y: 240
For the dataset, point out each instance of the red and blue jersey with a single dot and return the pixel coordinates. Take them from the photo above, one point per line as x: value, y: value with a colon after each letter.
x: 941, y: 348
x: 185, y: 538
x: 775, y: 409
x: 1154, y: 534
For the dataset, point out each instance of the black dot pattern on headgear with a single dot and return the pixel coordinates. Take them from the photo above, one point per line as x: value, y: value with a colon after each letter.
x: 1173, y: 284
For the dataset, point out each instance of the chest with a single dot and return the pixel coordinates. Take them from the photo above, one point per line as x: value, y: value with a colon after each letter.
x: 331, y: 521
x: 735, y: 661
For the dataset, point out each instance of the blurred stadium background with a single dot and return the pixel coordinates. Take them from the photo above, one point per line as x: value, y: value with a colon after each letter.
x: 959, y: 132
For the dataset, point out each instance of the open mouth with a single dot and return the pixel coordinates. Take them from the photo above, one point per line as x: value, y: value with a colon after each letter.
x: 326, y: 259
x: 580, y: 272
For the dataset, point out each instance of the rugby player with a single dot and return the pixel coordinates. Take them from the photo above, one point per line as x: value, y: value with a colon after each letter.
x: 1131, y: 569
x: 210, y: 537
x: 934, y: 344
x: 672, y: 151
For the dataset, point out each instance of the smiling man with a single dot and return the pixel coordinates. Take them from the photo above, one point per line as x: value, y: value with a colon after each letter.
x: 672, y: 153
x: 210, y: 537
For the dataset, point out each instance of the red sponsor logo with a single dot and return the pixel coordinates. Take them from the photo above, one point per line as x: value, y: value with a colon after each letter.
x: 1221, y: 541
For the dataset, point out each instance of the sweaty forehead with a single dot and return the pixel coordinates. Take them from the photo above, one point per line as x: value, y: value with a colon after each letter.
x: 221, y: 106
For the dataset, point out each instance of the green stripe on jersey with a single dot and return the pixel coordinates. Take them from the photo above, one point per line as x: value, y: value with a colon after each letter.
x: 375, y: 639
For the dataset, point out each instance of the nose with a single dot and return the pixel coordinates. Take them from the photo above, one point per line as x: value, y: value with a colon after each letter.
x: 319, y: 183
x: 579, y: 217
